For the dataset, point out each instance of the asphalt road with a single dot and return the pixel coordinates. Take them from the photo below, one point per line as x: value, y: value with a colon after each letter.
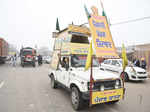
x: 28, y: 90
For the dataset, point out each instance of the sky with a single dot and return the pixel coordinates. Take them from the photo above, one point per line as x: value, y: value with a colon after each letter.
x: 31, y: 22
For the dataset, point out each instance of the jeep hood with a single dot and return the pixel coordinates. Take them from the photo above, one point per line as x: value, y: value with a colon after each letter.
x: 97, y: 74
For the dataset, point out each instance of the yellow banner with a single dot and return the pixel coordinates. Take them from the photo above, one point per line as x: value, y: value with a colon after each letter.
x: 102, y: 38
x: 106, y: 96
x: 73, y: 48
x: 55, y: 60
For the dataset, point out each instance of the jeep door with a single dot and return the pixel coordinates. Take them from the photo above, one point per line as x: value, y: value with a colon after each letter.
x: 59, y: 73
x: 64, y: 75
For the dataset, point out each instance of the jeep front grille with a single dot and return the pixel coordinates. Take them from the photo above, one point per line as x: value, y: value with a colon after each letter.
x: 108, y: 85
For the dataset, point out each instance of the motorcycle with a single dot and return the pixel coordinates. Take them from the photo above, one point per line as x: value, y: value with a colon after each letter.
x: 40, y: 62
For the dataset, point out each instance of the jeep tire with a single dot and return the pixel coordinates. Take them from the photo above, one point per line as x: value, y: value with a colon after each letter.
x: 76, y: 98
x: 53, y: 82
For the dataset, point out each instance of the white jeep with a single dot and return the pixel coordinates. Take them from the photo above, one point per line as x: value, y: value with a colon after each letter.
x: 73, y: 77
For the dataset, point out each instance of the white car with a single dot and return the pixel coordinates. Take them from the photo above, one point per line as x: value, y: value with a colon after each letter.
x: 46, y: 59
x: 131, y: 72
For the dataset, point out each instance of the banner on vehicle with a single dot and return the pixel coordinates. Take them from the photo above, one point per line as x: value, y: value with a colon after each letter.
x: 73, y: 48
x: 55, y: 60
x: 101, y: 36
x: 107, y: 96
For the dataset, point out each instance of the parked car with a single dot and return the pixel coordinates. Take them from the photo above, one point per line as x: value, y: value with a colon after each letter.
x: 131, y: 72
x: 46, y: 59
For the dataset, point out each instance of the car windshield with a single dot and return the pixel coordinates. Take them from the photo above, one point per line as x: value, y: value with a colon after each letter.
x: 80, y: 61
x: 27, y: 53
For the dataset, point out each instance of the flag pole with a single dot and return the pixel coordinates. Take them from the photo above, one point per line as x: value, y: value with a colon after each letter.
x: 91, y: 81
x: 122, y: 77
x: 91, y: 75
x: 103, y: 13
x: 125, y: 63
x: 102, y: 5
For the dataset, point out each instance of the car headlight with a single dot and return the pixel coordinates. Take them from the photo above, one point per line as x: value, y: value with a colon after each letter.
x: 133, y: 71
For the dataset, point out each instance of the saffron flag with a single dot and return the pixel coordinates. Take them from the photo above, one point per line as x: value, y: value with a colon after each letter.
x: 124, y: 57
x: 89, y: 57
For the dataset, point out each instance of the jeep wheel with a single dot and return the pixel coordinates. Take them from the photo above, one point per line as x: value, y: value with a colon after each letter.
x: 76, y: 98
x: 53, y: 82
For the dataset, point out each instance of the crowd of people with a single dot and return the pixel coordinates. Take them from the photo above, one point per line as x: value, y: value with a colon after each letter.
x: 140, y: 63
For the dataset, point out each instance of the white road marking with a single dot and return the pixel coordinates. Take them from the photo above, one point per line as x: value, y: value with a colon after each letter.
x: 1, y: 84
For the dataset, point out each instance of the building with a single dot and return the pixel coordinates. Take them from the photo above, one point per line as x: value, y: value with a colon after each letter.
x: 143, y: 51
x: 138, y: 52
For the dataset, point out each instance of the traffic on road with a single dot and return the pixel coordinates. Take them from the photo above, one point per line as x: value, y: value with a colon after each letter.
x: 83, y: 71
x: 29, y: 89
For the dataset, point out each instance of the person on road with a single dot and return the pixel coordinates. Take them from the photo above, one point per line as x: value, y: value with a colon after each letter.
x: 137, y: 63
x: 40, y: 59
x: 143, y: 63
x: 14, y: 59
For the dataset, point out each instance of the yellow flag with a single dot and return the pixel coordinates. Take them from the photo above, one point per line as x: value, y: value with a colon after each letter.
x: 124, y: 57
x: 89, y: 57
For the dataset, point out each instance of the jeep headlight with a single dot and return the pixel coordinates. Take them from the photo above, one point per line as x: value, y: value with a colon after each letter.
x: 102, y: 88
x: 117, y: 84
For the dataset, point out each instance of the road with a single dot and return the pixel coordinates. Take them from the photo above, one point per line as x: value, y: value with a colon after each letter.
x: 28, y: 90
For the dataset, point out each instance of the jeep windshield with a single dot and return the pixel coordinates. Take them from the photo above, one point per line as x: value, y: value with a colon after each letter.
x: 80, y: 61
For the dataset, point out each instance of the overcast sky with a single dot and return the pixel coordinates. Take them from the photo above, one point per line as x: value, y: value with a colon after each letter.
x: 31, y: 22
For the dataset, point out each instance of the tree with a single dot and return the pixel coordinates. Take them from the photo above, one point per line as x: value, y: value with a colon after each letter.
x: 57, y: 25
